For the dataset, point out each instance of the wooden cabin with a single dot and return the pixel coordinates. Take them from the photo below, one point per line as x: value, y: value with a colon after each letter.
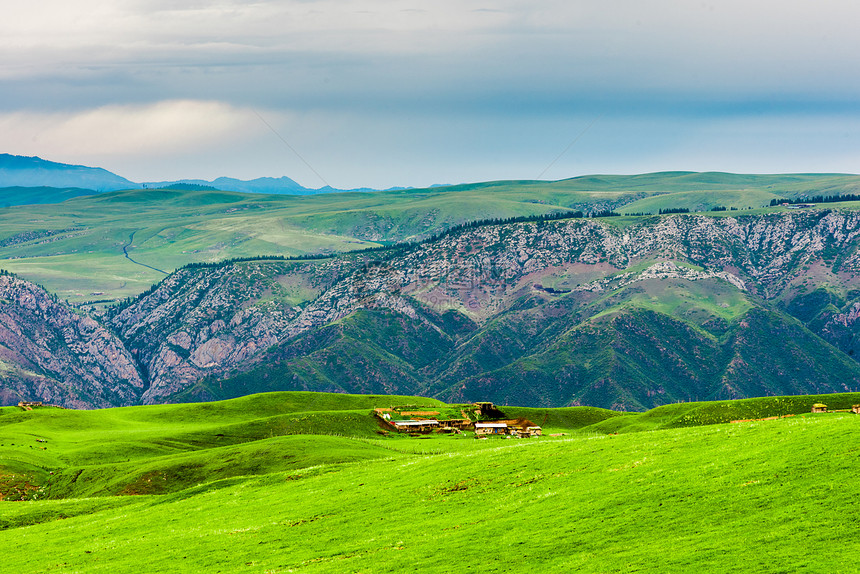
x: 819, y: 408
x: 855, y: 409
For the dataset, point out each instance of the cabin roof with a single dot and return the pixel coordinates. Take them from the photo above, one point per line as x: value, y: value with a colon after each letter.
x: 416, y: 423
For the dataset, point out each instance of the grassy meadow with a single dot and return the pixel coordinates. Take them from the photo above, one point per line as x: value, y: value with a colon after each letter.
x: 304, y: 482
x: 75, y: 248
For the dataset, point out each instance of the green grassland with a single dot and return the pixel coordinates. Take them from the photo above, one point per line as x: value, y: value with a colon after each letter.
x: 701, y: 201
x: 75, y: 248
x: 17, y: 195
x: 695, y: 302
x: 305, y: 482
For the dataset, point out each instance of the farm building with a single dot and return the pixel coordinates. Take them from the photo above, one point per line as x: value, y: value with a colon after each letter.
x: 416, y: 426
x: 28, y: 405
x: 855, y: 409
x: 491, y: 428
x: 484, y: 417
x: 461, y: 424
x: 819, y: 408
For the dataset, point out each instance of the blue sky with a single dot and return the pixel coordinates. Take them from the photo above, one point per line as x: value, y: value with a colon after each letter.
x: 383, y: 93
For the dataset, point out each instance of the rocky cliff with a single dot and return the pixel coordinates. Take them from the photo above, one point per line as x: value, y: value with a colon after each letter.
x: 625, y: 313
x: 50, y: 353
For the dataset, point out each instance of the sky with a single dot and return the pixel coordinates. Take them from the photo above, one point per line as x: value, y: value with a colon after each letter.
x: 381, y: 93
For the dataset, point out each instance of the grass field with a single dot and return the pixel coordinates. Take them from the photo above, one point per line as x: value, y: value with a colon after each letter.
x: 302, y: 482
x: 75, y: 248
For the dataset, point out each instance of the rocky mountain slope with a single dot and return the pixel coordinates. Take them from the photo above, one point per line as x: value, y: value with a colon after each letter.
x: 626, y: 313
x: 50, y: 353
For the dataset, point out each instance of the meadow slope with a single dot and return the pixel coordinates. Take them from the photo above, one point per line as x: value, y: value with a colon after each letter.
x: 765, y: 496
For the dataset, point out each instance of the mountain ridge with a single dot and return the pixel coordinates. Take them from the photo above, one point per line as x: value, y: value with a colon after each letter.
x: 34, y: 172
x: 541, y: 313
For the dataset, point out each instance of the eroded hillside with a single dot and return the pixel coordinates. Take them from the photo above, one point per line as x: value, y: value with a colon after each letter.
x: 624, y: 313
x: 52, y: 353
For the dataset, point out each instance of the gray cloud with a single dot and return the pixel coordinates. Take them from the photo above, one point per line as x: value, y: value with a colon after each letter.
x: 415, y: 92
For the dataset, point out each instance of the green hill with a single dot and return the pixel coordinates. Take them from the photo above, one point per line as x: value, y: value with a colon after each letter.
x: 35, y: 195
x: 669, y: 500
x: 187, y: 443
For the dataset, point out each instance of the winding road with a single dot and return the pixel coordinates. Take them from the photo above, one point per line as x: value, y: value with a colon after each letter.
x: 125, y: 252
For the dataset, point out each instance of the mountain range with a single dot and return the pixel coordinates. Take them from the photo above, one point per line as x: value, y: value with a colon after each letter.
x: 34, y: 172
x: 627, y: 313
x: 21, y: 171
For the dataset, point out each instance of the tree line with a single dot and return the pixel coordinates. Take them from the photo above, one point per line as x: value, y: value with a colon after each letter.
x: 817, y: 199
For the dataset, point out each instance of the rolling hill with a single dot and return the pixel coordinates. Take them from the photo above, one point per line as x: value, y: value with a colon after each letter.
x: 306, y: 482
x: 10, y: 196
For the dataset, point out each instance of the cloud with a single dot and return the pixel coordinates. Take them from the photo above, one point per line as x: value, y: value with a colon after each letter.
x: 366, y: 81
x: 454, y: 52
x: 152, y: 130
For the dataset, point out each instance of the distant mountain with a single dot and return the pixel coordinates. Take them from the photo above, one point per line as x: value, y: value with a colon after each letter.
x: 554, y: 313
x: 50, y: 351
x: 280, y: 185
x: 60, y: 181
x: 23, y: 171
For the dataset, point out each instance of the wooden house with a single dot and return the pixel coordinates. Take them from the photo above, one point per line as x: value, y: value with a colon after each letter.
x: 819, y: 408
x: 855, y: 409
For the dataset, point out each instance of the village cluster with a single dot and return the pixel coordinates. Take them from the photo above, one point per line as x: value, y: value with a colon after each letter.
x: 482, y: 418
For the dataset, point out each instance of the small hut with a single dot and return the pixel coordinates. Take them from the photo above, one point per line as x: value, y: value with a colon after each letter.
x: 855, y: 409
x: 819, y: 408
